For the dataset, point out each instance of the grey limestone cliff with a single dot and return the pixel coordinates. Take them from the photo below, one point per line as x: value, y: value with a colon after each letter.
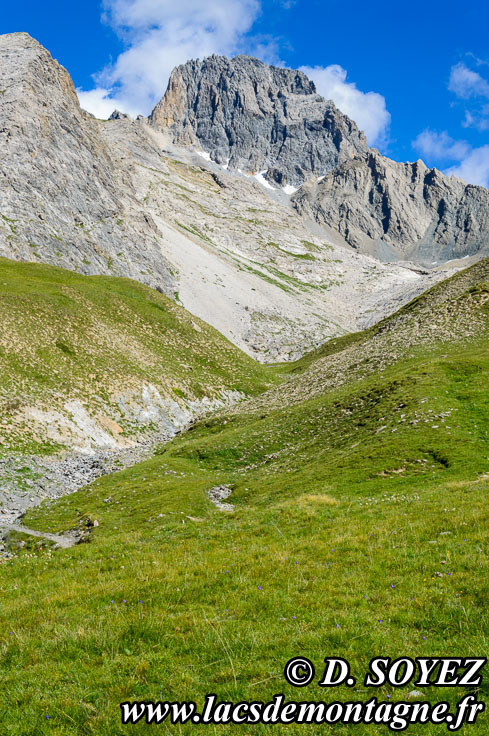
x: 258, y: 118
x: 254, y: 117
x: 119, y: 197
x: 63, y: 199
x: 400, y: 211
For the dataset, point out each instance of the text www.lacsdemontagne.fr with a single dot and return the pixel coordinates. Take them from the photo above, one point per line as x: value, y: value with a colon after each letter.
x: 396, y: 716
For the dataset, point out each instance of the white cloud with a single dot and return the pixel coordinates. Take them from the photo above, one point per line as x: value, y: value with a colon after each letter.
x: 474, y: 168
x: 471, y: 87
x: 472, y: 163
x: 367, y: 109
x: 468, y: 162
x: 466, y: 83
x: 97, y: 102
x: 440, y: 146
x: 476, y: 120
x: 161, y: 34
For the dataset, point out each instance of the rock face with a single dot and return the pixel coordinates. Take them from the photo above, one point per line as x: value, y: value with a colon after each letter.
x: 62, y: 198
x: 254, y: 117
x: 259, y: 119
x: 246, y: 262
x: 400, y: 211
x: 118, y: 197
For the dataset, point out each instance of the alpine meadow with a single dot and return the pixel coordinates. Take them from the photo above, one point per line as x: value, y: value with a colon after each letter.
x: 244, y: 409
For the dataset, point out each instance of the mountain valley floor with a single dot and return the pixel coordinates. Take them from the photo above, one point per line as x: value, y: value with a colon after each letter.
x: 358, y: 529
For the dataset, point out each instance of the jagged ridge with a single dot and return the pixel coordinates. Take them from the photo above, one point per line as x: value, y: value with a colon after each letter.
x: 257, y: 118
x: 254, y: 117
x: 394, y: 210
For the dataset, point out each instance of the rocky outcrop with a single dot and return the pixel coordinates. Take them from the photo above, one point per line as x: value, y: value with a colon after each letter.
x: 254, y: 117
x: 63, y: 200
x: 260, y: 119
x: 400, y: 211
x: 117, y: 197
x: 246, y: 262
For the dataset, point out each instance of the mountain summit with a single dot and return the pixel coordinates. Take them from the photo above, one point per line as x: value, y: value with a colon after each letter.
x: 118, y: 197
x: 63, y: 198
x: 256, y: 118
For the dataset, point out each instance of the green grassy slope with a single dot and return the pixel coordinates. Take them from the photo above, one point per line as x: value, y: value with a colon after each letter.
x: 94, y: 339
x: 359, y: 530
x: 448, y: 312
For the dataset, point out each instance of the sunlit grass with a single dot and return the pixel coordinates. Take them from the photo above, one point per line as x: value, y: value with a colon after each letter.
x: 359, y: 529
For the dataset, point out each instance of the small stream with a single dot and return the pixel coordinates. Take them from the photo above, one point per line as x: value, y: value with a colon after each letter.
x: 28, y: 480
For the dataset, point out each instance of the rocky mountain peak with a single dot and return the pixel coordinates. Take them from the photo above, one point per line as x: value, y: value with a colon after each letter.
x: 253, y: 117
x: 260, y: 119
x: 119, y: 197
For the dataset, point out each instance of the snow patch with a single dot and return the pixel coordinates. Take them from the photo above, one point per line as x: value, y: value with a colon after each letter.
x: 289, y: 189
x: 204, y: 155
x: 451, y: 260
x: 260, y: 178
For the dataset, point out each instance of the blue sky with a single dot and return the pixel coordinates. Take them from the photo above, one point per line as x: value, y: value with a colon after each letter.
x: 414, y: 75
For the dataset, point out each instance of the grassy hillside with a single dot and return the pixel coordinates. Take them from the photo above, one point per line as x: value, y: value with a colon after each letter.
x: 359, y: 529
x: 99, y: 341
x: 447, y: 313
